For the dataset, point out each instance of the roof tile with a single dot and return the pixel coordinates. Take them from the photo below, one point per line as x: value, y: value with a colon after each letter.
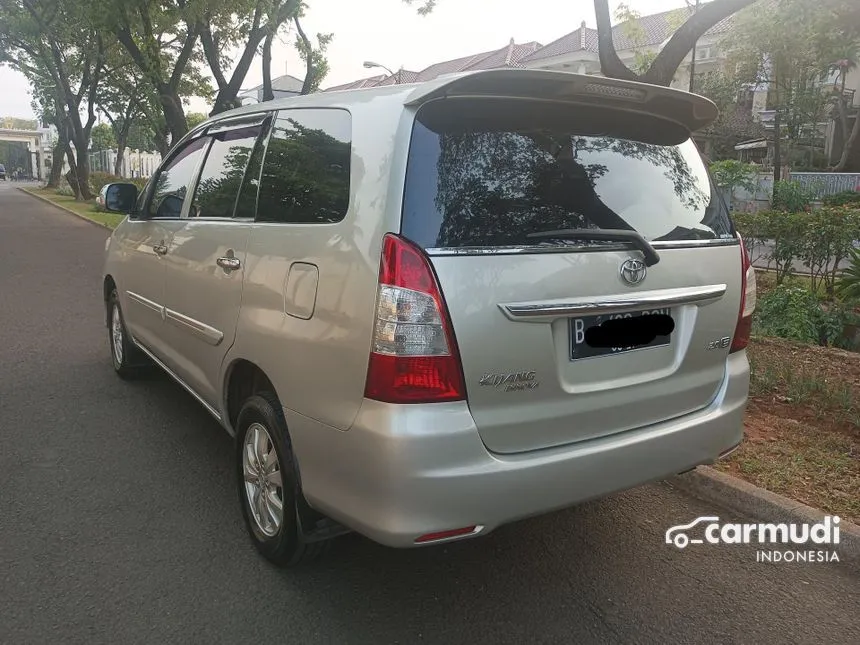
x: 656, y: 29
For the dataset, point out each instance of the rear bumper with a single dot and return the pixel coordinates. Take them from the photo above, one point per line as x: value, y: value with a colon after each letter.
x: 404, y: 471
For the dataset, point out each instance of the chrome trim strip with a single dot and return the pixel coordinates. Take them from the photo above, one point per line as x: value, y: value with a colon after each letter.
x: 185, y: 385
x: 590, y: 248
x: 203, y: 331
x: 726, y: 453
x: 146, y: 302
x: 611, y: 304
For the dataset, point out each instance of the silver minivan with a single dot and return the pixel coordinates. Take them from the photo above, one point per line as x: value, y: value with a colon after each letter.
x: 424, y: 311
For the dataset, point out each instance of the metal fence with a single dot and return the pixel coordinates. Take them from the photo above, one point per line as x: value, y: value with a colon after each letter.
x: 823, y: 183
x: 135, y: 163
x: 827, y: 183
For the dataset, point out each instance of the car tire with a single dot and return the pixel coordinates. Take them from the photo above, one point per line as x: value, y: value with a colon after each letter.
x: 128, y: 360
x: 262, y: 449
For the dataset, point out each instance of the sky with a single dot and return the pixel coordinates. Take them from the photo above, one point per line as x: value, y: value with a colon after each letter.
x: 391, y: 32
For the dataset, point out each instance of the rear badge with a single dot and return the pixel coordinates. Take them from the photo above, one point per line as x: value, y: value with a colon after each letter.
x: 721, y: 343
x: 511, y: 382
x: 633, y: 271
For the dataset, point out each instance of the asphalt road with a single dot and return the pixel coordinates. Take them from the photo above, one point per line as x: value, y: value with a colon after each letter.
x: 119, y: 522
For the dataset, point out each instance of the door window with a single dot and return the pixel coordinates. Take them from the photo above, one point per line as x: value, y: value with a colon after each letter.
x: 173, y: 181
x: 223, y: 172
x: 305, y: 178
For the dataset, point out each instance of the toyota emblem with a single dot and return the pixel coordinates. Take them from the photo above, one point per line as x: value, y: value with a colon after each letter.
x: 633, y: 271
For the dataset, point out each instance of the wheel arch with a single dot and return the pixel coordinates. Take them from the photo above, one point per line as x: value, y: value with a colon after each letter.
x: 242, y: 379
x: 108, y: 286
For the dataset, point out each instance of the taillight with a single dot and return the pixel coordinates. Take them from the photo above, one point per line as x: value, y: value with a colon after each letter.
x: 414, y: 357
x: 748, y: 301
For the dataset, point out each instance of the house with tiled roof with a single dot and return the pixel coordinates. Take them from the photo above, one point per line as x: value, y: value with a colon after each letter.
x: 578, y: 50
x: 283, y: 87
x: 508, y: 56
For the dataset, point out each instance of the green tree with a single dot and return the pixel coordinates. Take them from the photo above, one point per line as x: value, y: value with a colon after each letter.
x: 103, y: 138
x: 316, y: 63
x: 731, y: 174
x: 632, y: 28
x: 127, y: 100
x: 839, y: 42
x: 780, y: 46
x: 161, y: 40
x: 225, y: 27
x: 195, y: 118
x: 736, y: 121
x: 63, y: 54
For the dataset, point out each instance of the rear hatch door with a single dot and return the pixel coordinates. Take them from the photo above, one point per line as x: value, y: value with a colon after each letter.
x: 487, y: 179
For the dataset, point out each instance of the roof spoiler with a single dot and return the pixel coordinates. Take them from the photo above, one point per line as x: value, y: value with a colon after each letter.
x: 691, y: 111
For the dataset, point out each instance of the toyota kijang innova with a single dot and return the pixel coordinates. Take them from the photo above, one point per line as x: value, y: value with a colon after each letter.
x: 424, y: 311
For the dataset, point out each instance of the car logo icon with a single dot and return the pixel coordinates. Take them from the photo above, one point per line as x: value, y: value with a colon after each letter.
x: 633, y: 271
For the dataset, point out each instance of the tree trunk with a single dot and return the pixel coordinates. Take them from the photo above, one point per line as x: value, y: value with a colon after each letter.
x: 268, y: 93
x: 160, y: 137
x: 850, y: 146
x: 72, y: 175
x: 663, y: 67
x: 174, y: 114
x: 82, y: 169
x: 777, y: 133
x: 120, y: 156
x: 310, y: 71
x: 121, y: 144
x: 777, y: 156
x: 56, y: 165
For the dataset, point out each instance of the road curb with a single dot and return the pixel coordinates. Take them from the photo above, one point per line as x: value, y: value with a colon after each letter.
x: 64, y: 209
x: 742, y: 497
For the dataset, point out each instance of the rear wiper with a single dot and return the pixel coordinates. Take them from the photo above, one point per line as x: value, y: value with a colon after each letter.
x: 609, y: 235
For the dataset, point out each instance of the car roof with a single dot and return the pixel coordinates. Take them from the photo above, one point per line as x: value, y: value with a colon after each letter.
x: 513, y: 82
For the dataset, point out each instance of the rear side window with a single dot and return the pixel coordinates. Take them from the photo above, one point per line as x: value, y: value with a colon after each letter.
x: 305, y: 178
x: 223, y: 172
x: 487, y: 175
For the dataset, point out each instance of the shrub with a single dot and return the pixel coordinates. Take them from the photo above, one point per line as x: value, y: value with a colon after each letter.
x: 774, y: 236
x: 797, y: 314
x: 65, y: 189
x: 848, y: 285
x: 820, y: 240
x: 98, y: 180
x: 732, y: 174
x: 792, y: 196
x: 845, y: 198
x: 827, y: 239
x: 789, y: 312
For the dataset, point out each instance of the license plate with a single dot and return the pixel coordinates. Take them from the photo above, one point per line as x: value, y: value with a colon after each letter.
x: 579, y: 347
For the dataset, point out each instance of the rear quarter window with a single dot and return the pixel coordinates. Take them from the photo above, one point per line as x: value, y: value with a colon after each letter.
x: 490, y: 181
x: 305, y: 176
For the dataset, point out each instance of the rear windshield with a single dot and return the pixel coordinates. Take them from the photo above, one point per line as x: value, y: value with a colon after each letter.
x: 485, y: 173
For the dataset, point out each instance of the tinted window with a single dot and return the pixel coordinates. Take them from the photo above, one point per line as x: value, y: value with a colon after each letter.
x: 476, y: 179
x: 305, y: 175
x: 246, y: 204
x: 223, y: 172
x: 141, y: 198
x: 171, y: 186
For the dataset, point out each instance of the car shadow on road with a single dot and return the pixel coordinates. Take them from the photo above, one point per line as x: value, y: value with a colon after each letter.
x: 597, y: 572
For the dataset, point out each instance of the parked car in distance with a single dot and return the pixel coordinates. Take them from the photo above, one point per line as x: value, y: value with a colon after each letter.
x: 428, y: 310
x: 2, y: 172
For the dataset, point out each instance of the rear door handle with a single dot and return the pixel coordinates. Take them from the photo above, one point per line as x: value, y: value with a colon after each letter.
x: 228, y: 263
x: 160, y: 248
